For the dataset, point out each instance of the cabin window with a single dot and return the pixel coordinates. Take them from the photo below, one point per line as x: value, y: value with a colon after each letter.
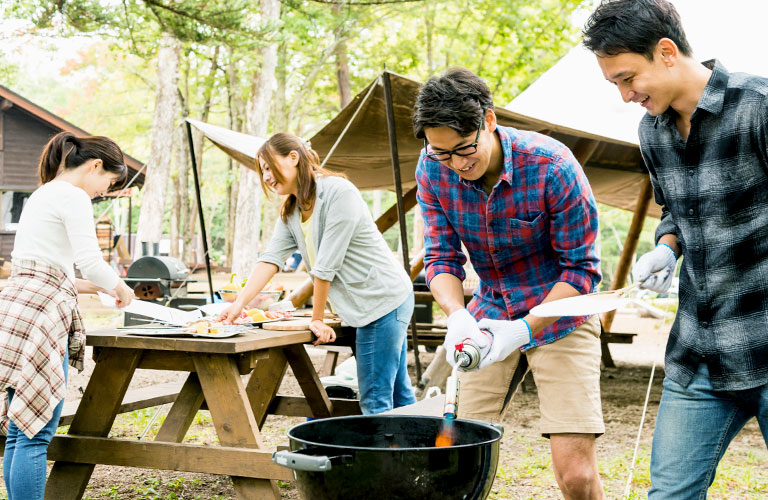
x: 11, y: 205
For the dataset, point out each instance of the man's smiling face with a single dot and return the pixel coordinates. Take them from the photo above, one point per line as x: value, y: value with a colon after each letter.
x: 470, y: 167
x: 640, y: 80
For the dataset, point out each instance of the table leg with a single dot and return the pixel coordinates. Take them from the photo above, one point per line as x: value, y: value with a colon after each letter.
x: 183, y: 411
x: 265, y: 382
x: 95, y: 416
x: 232, y: 417
x: 305, y: 374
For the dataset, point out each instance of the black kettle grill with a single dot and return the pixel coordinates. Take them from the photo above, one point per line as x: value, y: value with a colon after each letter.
x: 163, y: 280
x: 375, y: 457
x: 157, y: 278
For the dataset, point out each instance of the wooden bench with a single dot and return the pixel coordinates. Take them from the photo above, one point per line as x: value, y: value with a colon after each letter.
x: 135, y: 399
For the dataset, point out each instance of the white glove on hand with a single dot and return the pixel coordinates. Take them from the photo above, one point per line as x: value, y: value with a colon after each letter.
x: 660, y: 260
x: 507, y: 336
x: 461, y: 325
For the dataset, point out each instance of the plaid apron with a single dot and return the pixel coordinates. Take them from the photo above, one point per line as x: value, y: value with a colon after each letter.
x: 39, y: 318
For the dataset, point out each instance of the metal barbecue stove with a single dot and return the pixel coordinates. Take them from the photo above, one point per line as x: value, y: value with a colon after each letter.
x: 163, y: 280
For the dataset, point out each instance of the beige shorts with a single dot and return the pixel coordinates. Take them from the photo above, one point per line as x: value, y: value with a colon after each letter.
x: 567, y: 376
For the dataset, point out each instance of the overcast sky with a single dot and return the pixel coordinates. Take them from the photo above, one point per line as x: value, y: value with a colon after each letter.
x: 574, y: 94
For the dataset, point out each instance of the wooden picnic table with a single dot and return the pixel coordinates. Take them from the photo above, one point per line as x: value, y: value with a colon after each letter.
x: 238, y: 410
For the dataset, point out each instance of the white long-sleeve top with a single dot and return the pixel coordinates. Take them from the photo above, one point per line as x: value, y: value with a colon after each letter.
x: 56, y: 227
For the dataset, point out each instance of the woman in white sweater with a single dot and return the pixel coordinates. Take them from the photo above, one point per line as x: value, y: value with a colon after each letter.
x: 41, y: 328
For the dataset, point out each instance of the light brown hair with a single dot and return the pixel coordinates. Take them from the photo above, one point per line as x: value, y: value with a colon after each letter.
x: 281, y: 144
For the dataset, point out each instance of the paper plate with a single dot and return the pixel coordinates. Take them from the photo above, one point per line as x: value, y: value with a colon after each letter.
x: 583, y: 305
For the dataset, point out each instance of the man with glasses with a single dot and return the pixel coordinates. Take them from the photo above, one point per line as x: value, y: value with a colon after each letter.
x: 521, y: 205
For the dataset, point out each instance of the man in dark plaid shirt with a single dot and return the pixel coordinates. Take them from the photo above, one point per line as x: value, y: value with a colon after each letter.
x: 521, y: 205
x: 705, y: 144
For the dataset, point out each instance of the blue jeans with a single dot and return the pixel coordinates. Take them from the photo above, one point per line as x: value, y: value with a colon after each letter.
x: 694, y: 426
x: 382, y: 361
x: 24, y: 461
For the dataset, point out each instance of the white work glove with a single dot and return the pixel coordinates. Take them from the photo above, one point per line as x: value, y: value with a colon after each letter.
x: 661, y: 260
x: 507, y: 336
x: 461, y: 325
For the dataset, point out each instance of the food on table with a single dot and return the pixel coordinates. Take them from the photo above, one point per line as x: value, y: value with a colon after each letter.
x: 229, y: 291
x: 257, y: 314
x: 203, y: 327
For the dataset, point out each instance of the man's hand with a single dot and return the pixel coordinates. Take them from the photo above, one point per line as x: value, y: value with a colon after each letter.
x: 661, y: 260
x: 461, y: 325
x: 507, y: 336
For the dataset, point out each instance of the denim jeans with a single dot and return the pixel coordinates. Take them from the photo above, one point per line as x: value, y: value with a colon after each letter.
x: 382, y: 361
x: 694, y: 426
x: 24, y: 461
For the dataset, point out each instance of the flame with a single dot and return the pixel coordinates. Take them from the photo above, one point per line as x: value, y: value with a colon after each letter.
x: 447, y: 434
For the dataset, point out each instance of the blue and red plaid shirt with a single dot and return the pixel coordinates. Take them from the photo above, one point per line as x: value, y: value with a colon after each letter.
x: 537, y: 227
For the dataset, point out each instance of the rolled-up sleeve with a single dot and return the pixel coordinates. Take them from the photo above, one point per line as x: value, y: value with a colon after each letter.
x: 343, y: 210
x: 280, y: 247
x: 574, y: 223
x: 441, y: 243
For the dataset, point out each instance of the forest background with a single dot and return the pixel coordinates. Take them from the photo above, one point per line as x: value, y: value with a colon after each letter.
x: 134, y: 69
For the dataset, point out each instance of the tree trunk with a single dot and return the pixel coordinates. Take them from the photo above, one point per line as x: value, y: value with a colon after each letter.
x: 187, y: 249
x: 174, y: 221
x: 429, y: 24
x: 280, y: 107
x: 166, y: 102
x: 235, y: 106
x: 248, y: 219
x: 342, y: 68
x: 192, y: 224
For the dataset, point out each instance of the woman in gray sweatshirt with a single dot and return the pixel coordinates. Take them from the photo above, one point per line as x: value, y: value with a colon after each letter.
x: 326, y: 219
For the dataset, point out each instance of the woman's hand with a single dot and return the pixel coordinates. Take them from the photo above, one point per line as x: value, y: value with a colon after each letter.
x: 230, y: 314
x: 124, y: 294
x: 323, y: 332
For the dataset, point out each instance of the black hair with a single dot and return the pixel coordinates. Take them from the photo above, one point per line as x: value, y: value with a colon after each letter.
x: 633, y: 26
x: 458, y: 99
x: 65, y: 150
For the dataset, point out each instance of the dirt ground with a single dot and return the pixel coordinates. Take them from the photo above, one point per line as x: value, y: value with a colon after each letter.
x: 524, y: 468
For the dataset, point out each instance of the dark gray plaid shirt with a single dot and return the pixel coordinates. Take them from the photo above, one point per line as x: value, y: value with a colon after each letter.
x: 713, y: 189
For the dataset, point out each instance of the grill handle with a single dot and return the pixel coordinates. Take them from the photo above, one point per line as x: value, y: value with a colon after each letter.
x: 298, y: 461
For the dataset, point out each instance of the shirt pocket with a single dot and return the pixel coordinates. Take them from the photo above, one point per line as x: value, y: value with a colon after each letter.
x: 525, y: 238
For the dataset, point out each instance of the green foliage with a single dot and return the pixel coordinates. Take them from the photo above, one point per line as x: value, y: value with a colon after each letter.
x: 107, y: 88
x: 9, y: 72
x: 614, y: 227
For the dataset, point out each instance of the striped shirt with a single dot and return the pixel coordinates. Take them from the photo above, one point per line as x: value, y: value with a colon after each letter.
x: 713, y: 190
x: 536, y: 228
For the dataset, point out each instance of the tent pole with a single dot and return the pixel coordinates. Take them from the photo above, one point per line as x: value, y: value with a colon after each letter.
x: 400, y: 212
x: 200, y: 209
x: 130, y: 226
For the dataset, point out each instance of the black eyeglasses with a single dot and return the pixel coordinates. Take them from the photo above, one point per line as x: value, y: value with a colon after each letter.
x: 462, y: 151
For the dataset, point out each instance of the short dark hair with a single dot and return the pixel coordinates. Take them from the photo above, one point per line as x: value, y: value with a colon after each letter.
x: 636, y: 26
x: 458, y: 99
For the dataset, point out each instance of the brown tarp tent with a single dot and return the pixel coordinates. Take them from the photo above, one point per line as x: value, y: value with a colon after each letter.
x: 614, y: 168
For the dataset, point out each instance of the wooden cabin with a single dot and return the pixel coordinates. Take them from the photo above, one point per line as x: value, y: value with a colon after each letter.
x: 25, y: 128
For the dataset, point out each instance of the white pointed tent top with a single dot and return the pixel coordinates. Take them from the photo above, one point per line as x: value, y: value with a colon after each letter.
x: 241, y: 147
x: 574, y: 94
